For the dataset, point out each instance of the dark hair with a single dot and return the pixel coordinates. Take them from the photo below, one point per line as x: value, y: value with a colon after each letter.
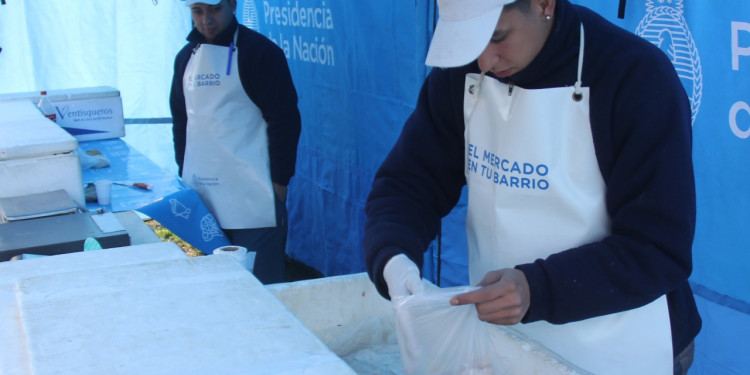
x: 520, y: 5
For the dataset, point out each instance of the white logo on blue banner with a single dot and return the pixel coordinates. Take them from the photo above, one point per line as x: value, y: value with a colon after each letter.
x: 179, y: 209
x: 250, y: 15
x: 210, y: 228
x: 303, y: 31
x: 665, y: 26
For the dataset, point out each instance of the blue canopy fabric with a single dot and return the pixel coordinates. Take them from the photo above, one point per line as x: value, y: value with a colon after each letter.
x: 357, y: 66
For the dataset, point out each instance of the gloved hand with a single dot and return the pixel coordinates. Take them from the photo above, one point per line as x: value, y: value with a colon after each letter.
x: 402, y: 277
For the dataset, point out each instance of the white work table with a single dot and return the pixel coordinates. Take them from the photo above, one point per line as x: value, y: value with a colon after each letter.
x: 149, y: 309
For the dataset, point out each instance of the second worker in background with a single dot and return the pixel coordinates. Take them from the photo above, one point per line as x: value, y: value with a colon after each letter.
x: 236, y: 129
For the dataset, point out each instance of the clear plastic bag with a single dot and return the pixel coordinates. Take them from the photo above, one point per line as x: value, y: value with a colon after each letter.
x: 437, y: 338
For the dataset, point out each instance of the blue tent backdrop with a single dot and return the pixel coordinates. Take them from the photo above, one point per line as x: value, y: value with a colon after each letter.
x: 358, y: 66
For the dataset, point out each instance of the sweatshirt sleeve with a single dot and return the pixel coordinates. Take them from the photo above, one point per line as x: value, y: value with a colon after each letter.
x: 420, y: 180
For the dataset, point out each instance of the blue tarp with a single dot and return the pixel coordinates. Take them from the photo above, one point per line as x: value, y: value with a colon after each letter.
x: 357, y: 70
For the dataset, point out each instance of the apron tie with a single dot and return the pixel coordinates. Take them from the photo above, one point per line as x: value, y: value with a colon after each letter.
x: 231, y: 51
x: 229, y: 59
x: 578, y: 94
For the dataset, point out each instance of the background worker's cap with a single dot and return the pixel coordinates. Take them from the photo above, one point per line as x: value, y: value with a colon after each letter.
x: 464, y: 29
x: 209, y: 2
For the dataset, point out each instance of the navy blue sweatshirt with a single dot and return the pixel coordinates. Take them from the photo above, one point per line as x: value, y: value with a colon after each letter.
x: 641, y: 125
x: 266, y: 79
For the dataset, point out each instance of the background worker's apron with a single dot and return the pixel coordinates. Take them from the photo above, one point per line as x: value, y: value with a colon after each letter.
x: 226, y: 151
x: 535, y: 189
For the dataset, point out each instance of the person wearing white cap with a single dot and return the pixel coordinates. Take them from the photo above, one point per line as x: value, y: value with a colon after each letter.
x: 236, y: 126
x: 572, y: 138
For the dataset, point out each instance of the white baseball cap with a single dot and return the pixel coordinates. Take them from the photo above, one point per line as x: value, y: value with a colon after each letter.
x: 463, y: 30
x: 209, y: 2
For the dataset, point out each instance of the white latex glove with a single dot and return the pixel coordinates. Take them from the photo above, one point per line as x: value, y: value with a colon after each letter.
x: 402, y: 277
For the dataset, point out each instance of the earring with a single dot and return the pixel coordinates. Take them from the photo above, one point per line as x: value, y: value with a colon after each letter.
x: 548, y: 17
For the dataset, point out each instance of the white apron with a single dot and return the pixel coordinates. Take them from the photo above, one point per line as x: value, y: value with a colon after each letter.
x: 535, y: 189
x: 226, y: 151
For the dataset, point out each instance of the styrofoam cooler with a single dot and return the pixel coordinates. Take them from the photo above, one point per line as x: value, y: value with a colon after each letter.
x: 87, y: 113
x: 149, y: 310
x: 358, y: 325
x: 36, y: 155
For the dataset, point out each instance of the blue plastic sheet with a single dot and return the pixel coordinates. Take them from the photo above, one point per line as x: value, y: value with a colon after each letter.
x: 127, y: 165
x: 185, y: 215
x: 170, y: 202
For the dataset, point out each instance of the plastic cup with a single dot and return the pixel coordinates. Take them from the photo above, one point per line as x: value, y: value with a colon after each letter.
x: 103, y: 192
x: 240, y: 254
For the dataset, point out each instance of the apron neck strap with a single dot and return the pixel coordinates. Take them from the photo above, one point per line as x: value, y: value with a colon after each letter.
x: 232, y: 47
x: 578, y: 94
